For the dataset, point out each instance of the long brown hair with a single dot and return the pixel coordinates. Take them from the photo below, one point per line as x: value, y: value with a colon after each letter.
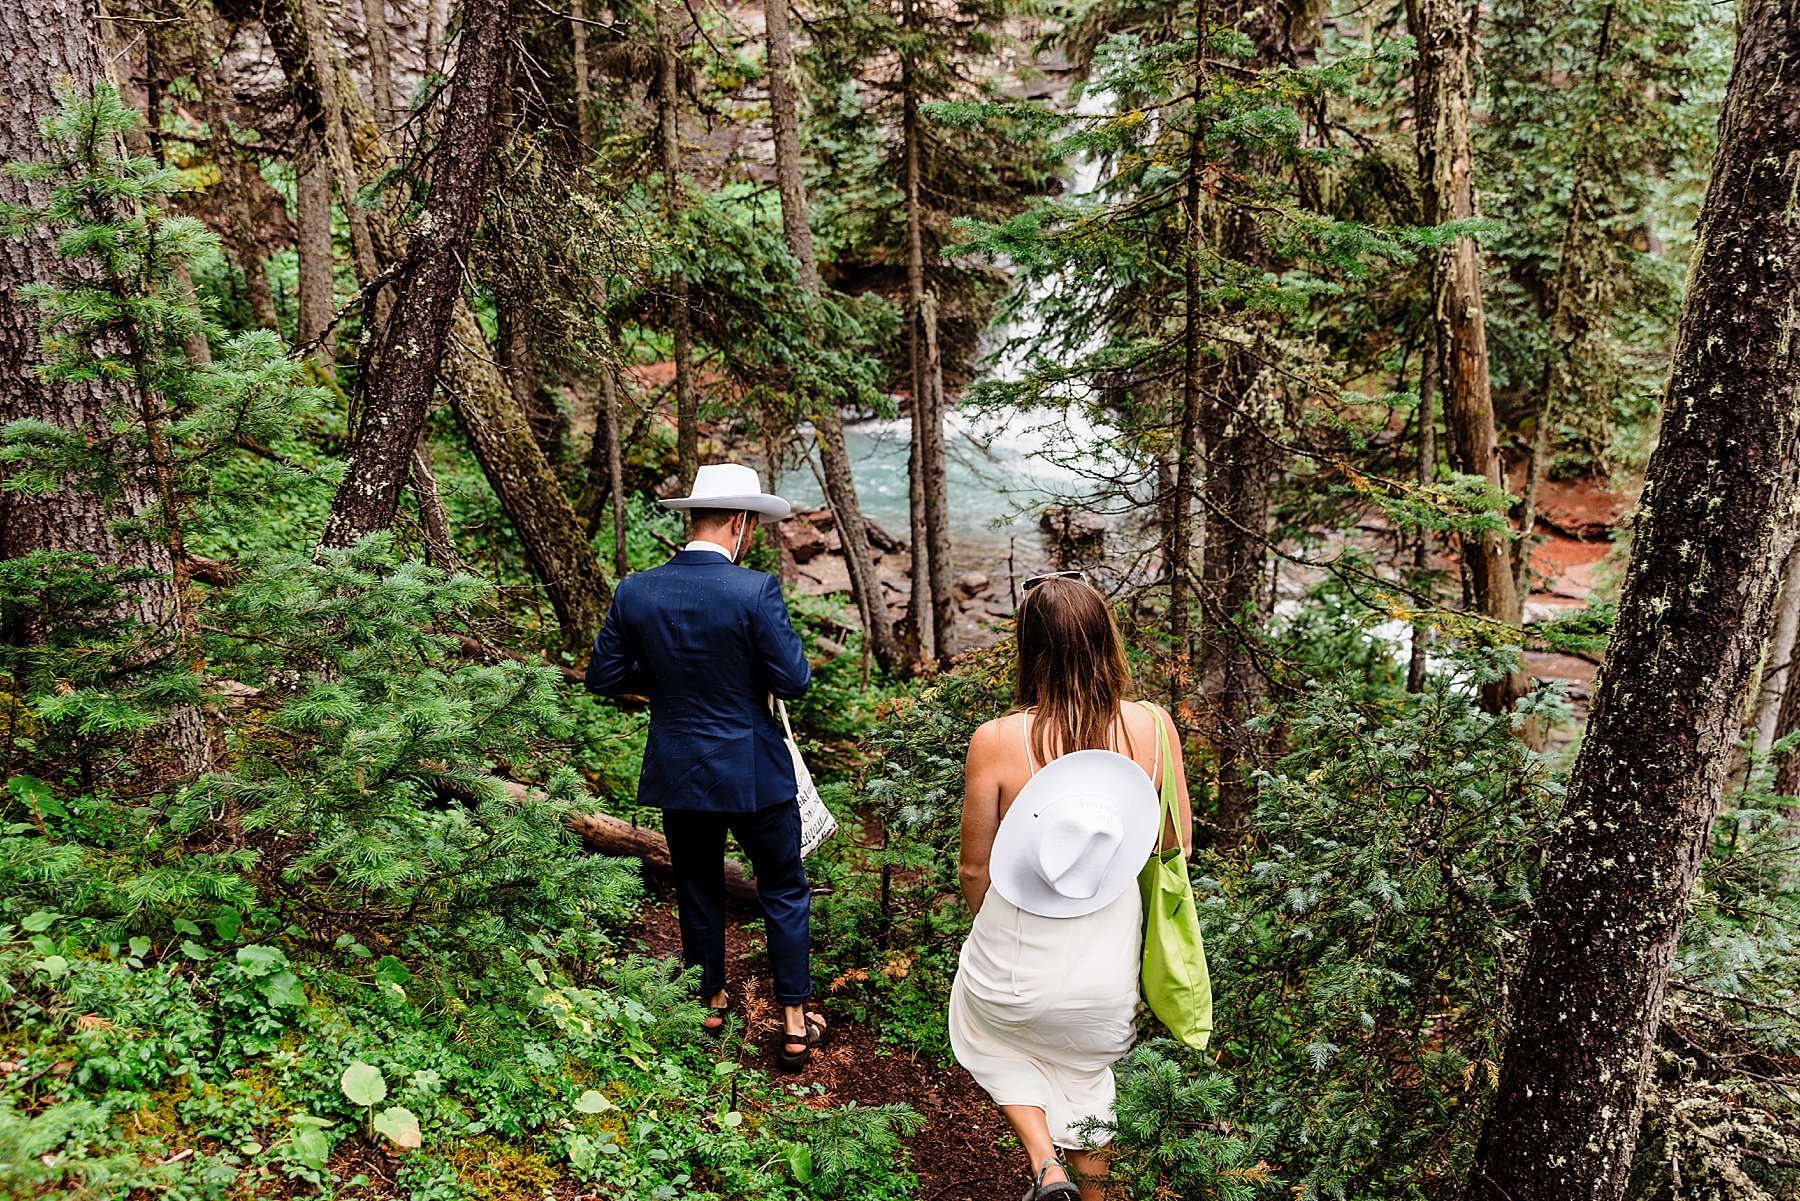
x: 1072, y: 668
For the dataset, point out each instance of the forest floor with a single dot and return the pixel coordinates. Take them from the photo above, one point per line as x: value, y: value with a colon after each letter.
x: 964, y: 1153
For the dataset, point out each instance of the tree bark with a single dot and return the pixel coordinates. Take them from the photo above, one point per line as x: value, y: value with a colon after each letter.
x: 1778, y: 660
x: 1178, y: 555
x: 437, y: 29
x: 1787, y: 720
x: 553, y: 536
x: 1239, y: 476
x: 312, y: 244
x: 1442, y: 86
x: 828, y: 424
x: 584, y: 94
x: 1697, y: 603
x: 434, y: 522
x: 606, y: 468
x: 930, y: 639
x: 47, y: 42
x: 1421, y: 631
x: 937, y: 500
x: 668, y: 126
x: 559, y: 555
x: 520, y: 361
x: 398, y: 392
x: 381, y: 63
x: 234, y: 173
x: 1241, y: 409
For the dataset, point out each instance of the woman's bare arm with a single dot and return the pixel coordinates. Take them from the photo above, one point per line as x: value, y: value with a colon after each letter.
x: 980, y: 815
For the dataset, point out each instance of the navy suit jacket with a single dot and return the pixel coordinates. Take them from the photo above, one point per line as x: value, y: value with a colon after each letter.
x: 706, y: 641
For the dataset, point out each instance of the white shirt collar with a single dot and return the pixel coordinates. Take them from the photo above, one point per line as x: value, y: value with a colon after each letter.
x: 703, y: 544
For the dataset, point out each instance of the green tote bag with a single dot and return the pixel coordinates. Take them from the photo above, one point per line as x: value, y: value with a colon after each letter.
x: 1176, y: 985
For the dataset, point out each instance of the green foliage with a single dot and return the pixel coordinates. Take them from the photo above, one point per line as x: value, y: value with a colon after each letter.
x: 1595, y: 147
x: 365, y: 928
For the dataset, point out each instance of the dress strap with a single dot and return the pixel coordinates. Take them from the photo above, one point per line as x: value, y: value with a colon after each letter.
x: 1025, y: 736
x: 1156, y: 724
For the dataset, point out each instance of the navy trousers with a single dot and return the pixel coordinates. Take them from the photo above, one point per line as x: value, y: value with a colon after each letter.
x: 771, y: 838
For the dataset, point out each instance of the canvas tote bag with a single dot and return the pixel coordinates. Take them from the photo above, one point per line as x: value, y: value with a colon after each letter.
x: 816, y: 822
x: 1176, y: 985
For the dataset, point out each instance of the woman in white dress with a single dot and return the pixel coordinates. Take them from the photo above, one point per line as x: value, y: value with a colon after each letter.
x: 1046, y: 989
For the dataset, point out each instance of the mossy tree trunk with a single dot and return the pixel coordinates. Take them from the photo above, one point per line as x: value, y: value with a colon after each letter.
x: 66, y: 33
x: 928, y: 640
x: 681, y: 322
x: 1442, y: 86
x: 1711, y: 534
x: 397, y: 394
x: 828, y: 423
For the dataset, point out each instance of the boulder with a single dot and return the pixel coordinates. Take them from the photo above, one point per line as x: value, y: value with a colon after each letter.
x: 972, y: 583
x: 801, y: 539
x: 1070, y: 524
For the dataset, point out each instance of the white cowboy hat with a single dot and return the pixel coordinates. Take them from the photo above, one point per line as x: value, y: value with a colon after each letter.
x: 730, y: 486
x: 1076, y: 836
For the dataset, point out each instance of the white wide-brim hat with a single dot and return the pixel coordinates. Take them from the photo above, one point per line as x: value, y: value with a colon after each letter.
x: 1076, y: 836
x: 730, y: 486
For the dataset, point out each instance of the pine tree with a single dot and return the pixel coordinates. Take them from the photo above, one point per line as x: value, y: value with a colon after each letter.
x: 1710, y: 538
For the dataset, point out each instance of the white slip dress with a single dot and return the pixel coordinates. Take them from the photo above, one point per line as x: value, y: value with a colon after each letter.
x: 1042, y: 1007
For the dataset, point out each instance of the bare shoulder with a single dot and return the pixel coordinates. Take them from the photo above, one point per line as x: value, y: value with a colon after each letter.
x: 994, y: 739
x: 988, y: 735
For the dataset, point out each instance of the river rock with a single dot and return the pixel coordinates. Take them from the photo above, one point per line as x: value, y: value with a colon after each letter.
x: 973, y: 583
x: 802, y: 540
x: 1064, y: 523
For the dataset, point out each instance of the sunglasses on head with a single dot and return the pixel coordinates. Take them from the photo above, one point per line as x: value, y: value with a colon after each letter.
x: 1033, y: 581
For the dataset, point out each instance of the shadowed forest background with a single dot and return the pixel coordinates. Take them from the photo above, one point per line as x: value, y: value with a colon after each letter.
x: 1418, y: 380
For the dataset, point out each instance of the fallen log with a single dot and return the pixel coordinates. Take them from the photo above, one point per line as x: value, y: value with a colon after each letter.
x: 603, y: 834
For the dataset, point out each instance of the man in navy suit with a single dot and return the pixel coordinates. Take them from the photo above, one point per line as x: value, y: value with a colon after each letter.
x: 709, y: 642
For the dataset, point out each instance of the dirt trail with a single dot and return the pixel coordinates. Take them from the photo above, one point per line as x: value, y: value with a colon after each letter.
x: 958, y: 1155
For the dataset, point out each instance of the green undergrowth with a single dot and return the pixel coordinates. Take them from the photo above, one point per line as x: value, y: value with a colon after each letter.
x: 202, y: 1065
x: 346, y: 960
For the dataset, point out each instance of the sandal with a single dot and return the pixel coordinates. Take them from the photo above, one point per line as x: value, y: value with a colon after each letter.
x: 714, y: 1021
x: 793, y: 1061
x: 1062, y: 1190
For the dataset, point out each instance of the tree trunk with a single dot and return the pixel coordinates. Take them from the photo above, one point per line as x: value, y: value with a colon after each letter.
x: 234, y: 174
x: 828, y: 425
x: 312, y: 223
x: 1178, y: 555
x: 937, y: 501
x: 1442, y: 87
x: 1421, y: 631
x: 559, y: 555
x: 606, y: 467
x: 434, y: 523
x: 930, y: 639
x: 668, y: 127
x: 1244, y: 404
x: 1778, y: 661
x: 784, y: 115
x: 381, y: 63
x: 398, y: 392
x: 584, y: 93
x: 51, y: 41
x: 303, y: 46
x: 146, y: 141
x: 1697, y: 603
x: 520, y: 362
x: 1787, y: 720
x: 553, y: 536
x: 437, y: 29
x: 1239, y: 476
